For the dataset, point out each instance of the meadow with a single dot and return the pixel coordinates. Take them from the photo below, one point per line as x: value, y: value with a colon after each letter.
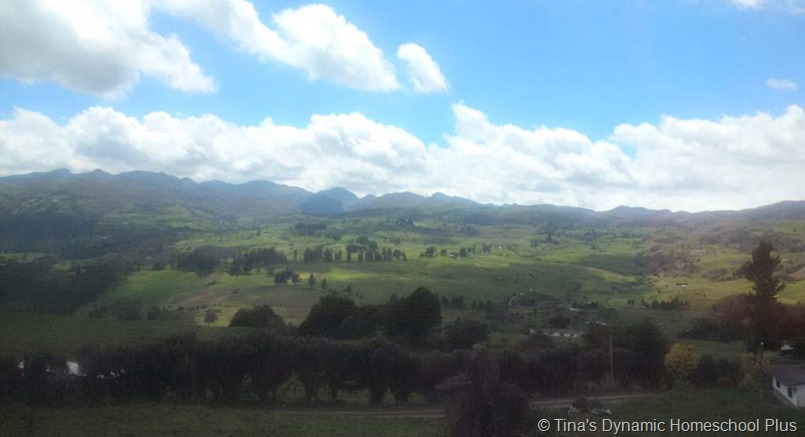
x: 689, y: 405
x: 166, y: 419
x: 531, y: 275
x: 65, y: 335
x: 575, y: 265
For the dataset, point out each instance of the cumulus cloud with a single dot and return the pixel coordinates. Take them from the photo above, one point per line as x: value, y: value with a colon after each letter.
x: 782, y: 84
x: 510, y: 164
x: 313, y: 38
x: 345, y: 149
x: 732, y: 162
x: 92, y: 46
x: 103, y: 46
x: 690, y: 164
x: 326, y: 45
x: 422, y: 69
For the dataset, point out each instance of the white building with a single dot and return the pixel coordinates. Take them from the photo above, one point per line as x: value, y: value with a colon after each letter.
x: 564, y: 333
x: 788, y: 383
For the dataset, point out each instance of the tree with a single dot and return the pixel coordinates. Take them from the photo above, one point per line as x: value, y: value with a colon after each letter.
x: 268, y: 363
x: 414, y: 315
x: 260, y: 316
x: 760, y: 270
x: 559, y: 321
x: 478, y: 403
x: 325, y: 317
x: 680, y: 364
x: 648, y: 342
x: 464, y: 334
x: 211, y: 316
x: 310, y: 360
x: 712, y: 373
x: 764, y: 310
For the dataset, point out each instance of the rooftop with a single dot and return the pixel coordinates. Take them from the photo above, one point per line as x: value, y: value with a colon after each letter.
x: 790, y: 374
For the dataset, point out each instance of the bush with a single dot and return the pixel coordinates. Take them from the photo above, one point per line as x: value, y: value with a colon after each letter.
x: 464, y: 334
x: 712, y: 373
x: 260, y: 316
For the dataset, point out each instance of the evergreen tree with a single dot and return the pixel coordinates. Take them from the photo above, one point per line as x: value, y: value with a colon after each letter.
x: 760, y: 270
x: 764, y: 312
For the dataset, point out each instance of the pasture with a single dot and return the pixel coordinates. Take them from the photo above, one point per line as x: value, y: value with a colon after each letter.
x: 64, y: 335
x: 576, y: 265
x: 167, y: 419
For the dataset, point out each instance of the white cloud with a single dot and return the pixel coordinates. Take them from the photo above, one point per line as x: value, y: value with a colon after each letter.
x: 748, y: 4
x: 692, y: 164
x: 313, y: 38
x: 422, y: 69
x: 733, y: 162
x: 103, y: 46
x: 786, y: 6
x: 92, y: 46
x: 327, y: 46
x: 782, y: 84
x: 346, y: 149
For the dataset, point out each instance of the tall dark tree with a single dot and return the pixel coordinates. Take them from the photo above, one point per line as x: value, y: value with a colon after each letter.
x: 648, y: 346
x: 765, y: 287
x: 760, y: 270
x: 414, y: 315
x: 479, y: 403
x: 325, y: 317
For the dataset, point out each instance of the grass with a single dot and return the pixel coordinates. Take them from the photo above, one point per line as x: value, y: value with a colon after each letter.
x: 21, y: 332
x: 167, y: 419
x: 480, y: 277
x: 156, y: 287
x: 713, y: 404
x: 695, y: 405
x: 585, y: 264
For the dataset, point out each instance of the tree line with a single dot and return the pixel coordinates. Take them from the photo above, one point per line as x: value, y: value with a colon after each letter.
x: 257, y: 365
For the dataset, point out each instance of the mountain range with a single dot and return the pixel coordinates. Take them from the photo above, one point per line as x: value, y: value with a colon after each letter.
x: 64, y: 201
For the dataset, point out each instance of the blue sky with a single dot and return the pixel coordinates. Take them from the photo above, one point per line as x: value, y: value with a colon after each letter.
x: 588, y: 103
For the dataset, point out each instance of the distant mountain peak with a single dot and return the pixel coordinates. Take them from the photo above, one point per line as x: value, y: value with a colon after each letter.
x: 346, y: 197
x: 444, y: 198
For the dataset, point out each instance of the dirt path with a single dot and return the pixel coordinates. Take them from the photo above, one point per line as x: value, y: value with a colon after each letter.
x: 420, y: 413
x: 438, y: 413
x: 614, y: 398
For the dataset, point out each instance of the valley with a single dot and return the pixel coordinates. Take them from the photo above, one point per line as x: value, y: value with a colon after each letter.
x: 138, y: 268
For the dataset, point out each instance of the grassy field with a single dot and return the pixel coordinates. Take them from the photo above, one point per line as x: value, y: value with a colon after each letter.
x: 688, y: 405
x: 168, y: 419
x: 578, y: 264
x: 21, y: 332
x: 182, y: 420
x: 582, y: 264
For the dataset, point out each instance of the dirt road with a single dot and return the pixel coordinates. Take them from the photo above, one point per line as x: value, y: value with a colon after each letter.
x: 438, y: 413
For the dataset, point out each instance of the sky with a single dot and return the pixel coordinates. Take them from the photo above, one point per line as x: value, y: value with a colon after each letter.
x: 679, y: 104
